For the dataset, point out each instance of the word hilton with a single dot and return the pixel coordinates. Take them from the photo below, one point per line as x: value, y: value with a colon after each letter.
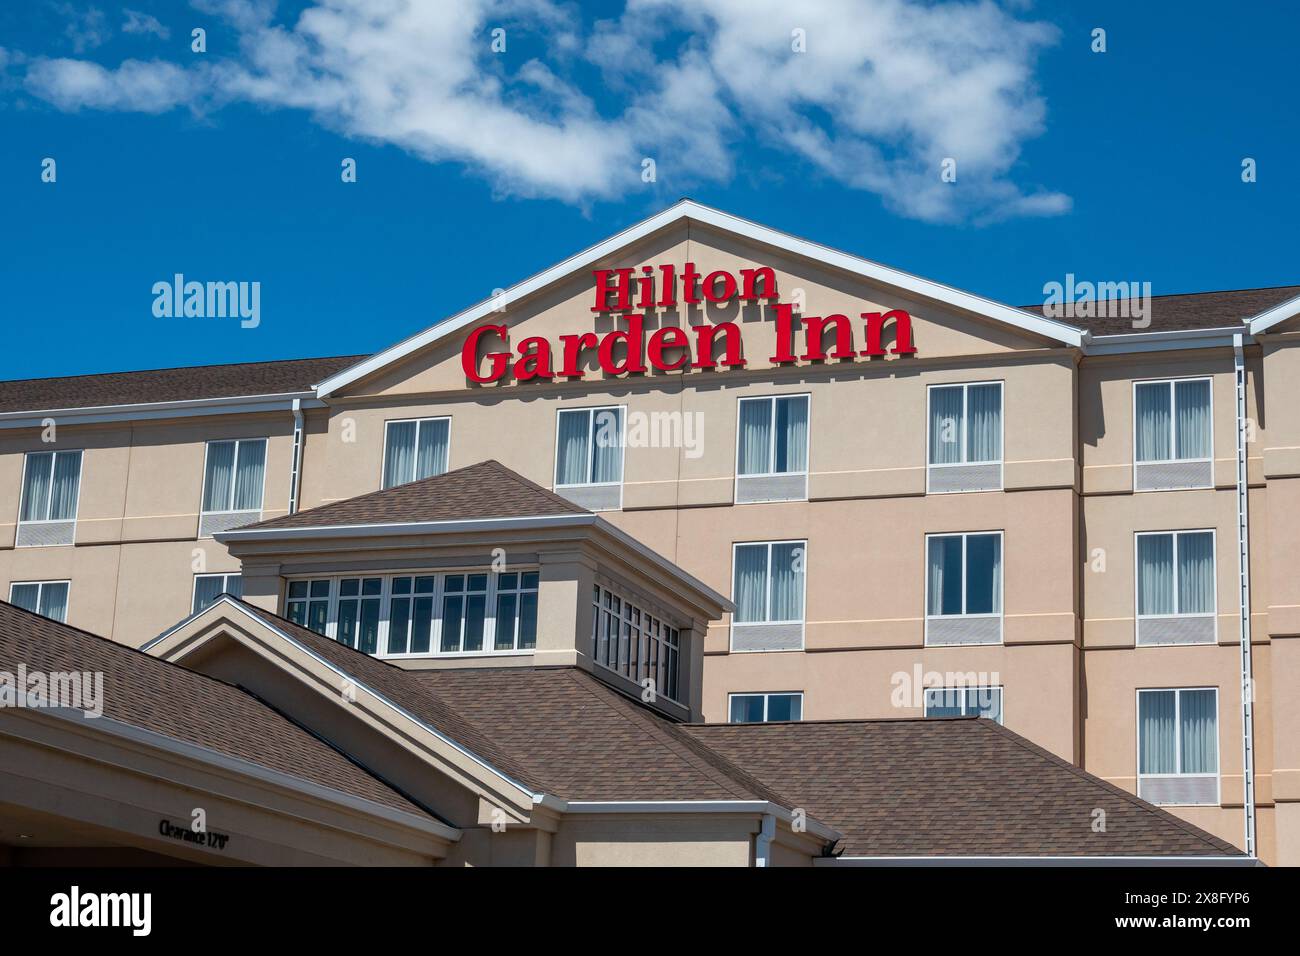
x: 673, y: 348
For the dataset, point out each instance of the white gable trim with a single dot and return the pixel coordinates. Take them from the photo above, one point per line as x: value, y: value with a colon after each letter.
x: 686, y: 209
x: 1275, y: 316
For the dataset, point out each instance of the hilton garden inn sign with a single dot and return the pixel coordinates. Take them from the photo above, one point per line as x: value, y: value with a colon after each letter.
x: 634, y: 294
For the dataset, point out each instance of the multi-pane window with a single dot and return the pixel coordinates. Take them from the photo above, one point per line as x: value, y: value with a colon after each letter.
x: 773, y: 438
x: 415, y: 449
x: 1172, y: 420
x: 233, y: 474
x: 965, y: 437
x: 964, y: 702
x: 420, y: 614
x: 208, y: 587
x: 1178, y: 745
x: 47, y: 598
x: 631, y: 641
x: 768, y: 584
x: 765, y: 708
x: 964, y: 574
x: 51, y: 486
x: 1175, y: 574
x: 589, y: 446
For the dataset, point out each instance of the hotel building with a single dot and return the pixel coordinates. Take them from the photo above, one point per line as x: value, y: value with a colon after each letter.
x: 751, y: 477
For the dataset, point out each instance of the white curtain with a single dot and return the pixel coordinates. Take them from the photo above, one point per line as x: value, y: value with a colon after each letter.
x: 1198, y: 717
x: 787, y: 582
x: 220, y: 476
x: 36, y: 487
x: 983, y: 574
x: 984, y: 423
x: 1196, y: 573
x: 26, y: 596
x: 944, y: 591
x: 985, y: 702
x: 432, y: 455
x: 1155, y: 574
x: 1152, y: 412
x: 54, y: 601
x: 755, y: 436
x: 206, y: 589
x: 943, y: 702
x: 791, y: 434
x: 399, y: 453
x: 1156, y: 732
x: 1192, y: 428
x: 945, y: 425
x: 571, y: 455
x: 607, y: 462
x: 63, y: 492
x: 249, y: 471
x: 749, y: 590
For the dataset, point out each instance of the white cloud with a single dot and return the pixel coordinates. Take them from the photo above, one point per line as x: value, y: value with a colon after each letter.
x: 137, y: 22
x: 886, y: 90
x: 86, y: 29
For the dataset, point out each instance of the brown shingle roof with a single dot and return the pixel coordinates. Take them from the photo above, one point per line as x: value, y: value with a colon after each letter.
x: 169, y: 384
x: 950, y: 787
x: 1193, y: 310
x: 486, y: 490
x: 171, y: 700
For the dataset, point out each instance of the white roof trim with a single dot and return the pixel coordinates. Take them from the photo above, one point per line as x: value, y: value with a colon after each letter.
x: 1127, y: 343
x: 228, y: 405
x: 815, y: 827
x: 1170, y: 860
x: 1275, y: 316
x: 687, y: 209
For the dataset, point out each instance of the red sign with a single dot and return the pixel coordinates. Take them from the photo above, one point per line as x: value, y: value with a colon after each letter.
x: 671, y: 348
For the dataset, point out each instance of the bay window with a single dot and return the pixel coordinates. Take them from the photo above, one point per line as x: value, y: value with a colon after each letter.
x: 234, y: 473
x: 963, y: 588
x: 630, y: 640
x: 46, y: 598
x: 1176, y: 603
x: 765, y: 708
x: 47, y: 511
x: 1172, y: 436
x: 589, y: 456
x: 965, y: 437
x: 772, y: 449
x: 768, y: 590
x: 208, y: 587
x: 415, y: 449
x: 964, y: 702
x: 1178, y: 745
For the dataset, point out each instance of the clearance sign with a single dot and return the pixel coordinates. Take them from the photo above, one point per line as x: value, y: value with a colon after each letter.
x: 632, y: 293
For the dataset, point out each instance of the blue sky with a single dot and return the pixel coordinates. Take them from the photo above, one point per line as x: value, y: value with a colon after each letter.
x: 477, y: 168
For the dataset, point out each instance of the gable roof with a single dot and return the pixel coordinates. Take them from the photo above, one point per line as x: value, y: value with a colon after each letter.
x: 1226, y: 309
x: 178, y: 703
x: 951, y: 787
x: 486, y: 490
x: 687, y: 209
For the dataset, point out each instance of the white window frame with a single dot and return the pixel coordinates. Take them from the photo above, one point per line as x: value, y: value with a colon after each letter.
x: 1000, y: 461
x: 767, y: 591
x: 766, y: 695
x: 675, y: 679
x: 419, y: 423
x: 1173, y: 425
x: 22, y: 488
x: 591, y: 449
x: 225, y: 580
x: 439, y: 592
x: 1213, y: 613
x: 1178, y: 748
x: 1002, y: 584
x: 40, y: 591
x: 1000, y: 688
x: 239, y: 442
x: 771, y: 451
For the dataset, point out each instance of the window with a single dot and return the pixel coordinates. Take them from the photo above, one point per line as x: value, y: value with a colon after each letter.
x: 964, y: 588
x: 47, y: 513
x: 46, y: 598
x: 965, y: 437
x: 1176, y: 603
x: 420, y: 614
x: 415, y: 449
x: 233, y: 476
x: 768, y: 588
x: 964, y: 702
x: 208, y: 587
x: 772, y: 449
x: 589, y: 456
x: 1178, y: 745
x: 1172, y: 434
x: 765, y: 708
x: 629, y: 640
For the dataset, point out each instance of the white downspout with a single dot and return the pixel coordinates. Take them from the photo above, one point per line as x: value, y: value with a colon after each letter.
x: 295, y: 472
x: 1243, y: 580
x: 763, y: 841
